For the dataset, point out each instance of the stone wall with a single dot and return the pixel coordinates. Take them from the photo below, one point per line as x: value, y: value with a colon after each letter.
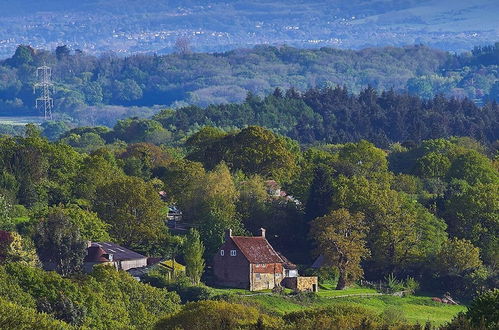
x: 301, y: 283
x: 265, y: 276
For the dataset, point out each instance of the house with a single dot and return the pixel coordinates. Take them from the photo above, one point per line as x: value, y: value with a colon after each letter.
x: 252, y: 263
x: 113, y: 254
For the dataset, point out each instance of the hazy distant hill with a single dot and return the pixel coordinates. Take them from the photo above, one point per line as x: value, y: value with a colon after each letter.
x: 129, y: 26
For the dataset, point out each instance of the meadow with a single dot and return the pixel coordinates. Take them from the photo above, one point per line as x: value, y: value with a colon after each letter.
x: 413, y: 309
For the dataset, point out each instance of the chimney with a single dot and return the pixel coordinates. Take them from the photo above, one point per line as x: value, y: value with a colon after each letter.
x: 228, y: 234
x: 262, y: 232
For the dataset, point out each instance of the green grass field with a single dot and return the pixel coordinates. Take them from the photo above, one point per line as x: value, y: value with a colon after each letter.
x: 20, y: 121
x: 414, y: 309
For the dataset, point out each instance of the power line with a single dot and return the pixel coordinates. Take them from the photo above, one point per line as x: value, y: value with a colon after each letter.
x: 45, y: 101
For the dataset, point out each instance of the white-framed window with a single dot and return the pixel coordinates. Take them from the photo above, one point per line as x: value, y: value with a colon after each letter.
x: 222, y: 252
x: 233, y: 253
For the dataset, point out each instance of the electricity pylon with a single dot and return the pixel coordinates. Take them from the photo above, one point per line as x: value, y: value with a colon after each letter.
x: 45, y: 101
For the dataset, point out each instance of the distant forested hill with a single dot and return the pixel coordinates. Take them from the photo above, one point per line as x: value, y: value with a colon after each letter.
x: 105, y: 88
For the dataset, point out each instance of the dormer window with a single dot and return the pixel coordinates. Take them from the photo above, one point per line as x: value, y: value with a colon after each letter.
x: 233, y: 253
x: 222, y: 252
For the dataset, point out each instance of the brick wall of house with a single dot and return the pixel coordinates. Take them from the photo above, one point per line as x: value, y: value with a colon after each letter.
x: 232, y: 271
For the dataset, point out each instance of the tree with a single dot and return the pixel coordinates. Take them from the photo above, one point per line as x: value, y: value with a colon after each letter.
x: 256, y: 150
x: 484, y: 309
x: 402, y: 233
x: 193, y: 256
x: 474, y: 168
x: 132, y: 208
x: 457, y: 257
x: 183, y: 45
x: 481, y: 314
x: 6, y: 222
x: 59, y: 243
x: 433, y: 165
x: 320, y: 192
x: 15, y: 248
x: 340, y: 238
x: 472, y: 212
x: 90, y: 226
x: 14, y: 316
x: 214, y: 207
x: 23, y: 55
x: 62, y: 52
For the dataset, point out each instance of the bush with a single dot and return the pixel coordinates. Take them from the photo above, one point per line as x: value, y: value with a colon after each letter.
x: 393, y: 284
x: 216, y: 315
x: 483, y: 313
x: 411, y: 285
x: 393, y: 315
x: 305, y: 297
x: 183, y: 287
x: 13, y: 316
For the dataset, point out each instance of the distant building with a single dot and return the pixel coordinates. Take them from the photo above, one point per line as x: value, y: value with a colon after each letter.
x: 113, y: 254
x: 252, y: 263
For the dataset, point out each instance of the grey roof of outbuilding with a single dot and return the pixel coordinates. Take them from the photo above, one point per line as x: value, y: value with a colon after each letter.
x: 118, y: 252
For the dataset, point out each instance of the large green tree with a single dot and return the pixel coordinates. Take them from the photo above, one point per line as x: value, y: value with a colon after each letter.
x: 132, y: 208
x: 60, y: 244
x: 340, y: 238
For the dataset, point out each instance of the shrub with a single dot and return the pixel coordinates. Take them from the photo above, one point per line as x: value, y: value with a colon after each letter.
x: 13, y: 316
x: 411, y: 285
x: 393, y: 315
x: 183, y: 287
x: 216, y: 315
x: 393, y: 284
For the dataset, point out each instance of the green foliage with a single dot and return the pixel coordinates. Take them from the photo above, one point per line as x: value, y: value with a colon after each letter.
x: 105, y: 299
x: 472, y: 212
x: 481, y: 314
x: 193, y: 256
x: 6, y: 221
x: 132, y: 208
x: 340, y: 238
x: 209, y: 200
x: 341, y: 316
x: 60, y: 244
x: 458, y: 257
x: 253, y: 150
x: 393, y: 284
x: 13, y: 316
x: 216, y: 315
x: 485, y: 308
x: 140, y: 130
x: 402, y: 233
x: 15, y: 248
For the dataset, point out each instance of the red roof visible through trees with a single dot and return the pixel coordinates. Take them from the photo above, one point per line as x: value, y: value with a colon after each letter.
x: 257, y: 250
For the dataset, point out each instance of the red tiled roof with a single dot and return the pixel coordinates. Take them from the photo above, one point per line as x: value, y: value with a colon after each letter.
x: 95, y: 254
x: 257, y: 250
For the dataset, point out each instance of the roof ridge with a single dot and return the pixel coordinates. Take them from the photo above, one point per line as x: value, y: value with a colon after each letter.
x: 240, y: 248
x: 264, y: 239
